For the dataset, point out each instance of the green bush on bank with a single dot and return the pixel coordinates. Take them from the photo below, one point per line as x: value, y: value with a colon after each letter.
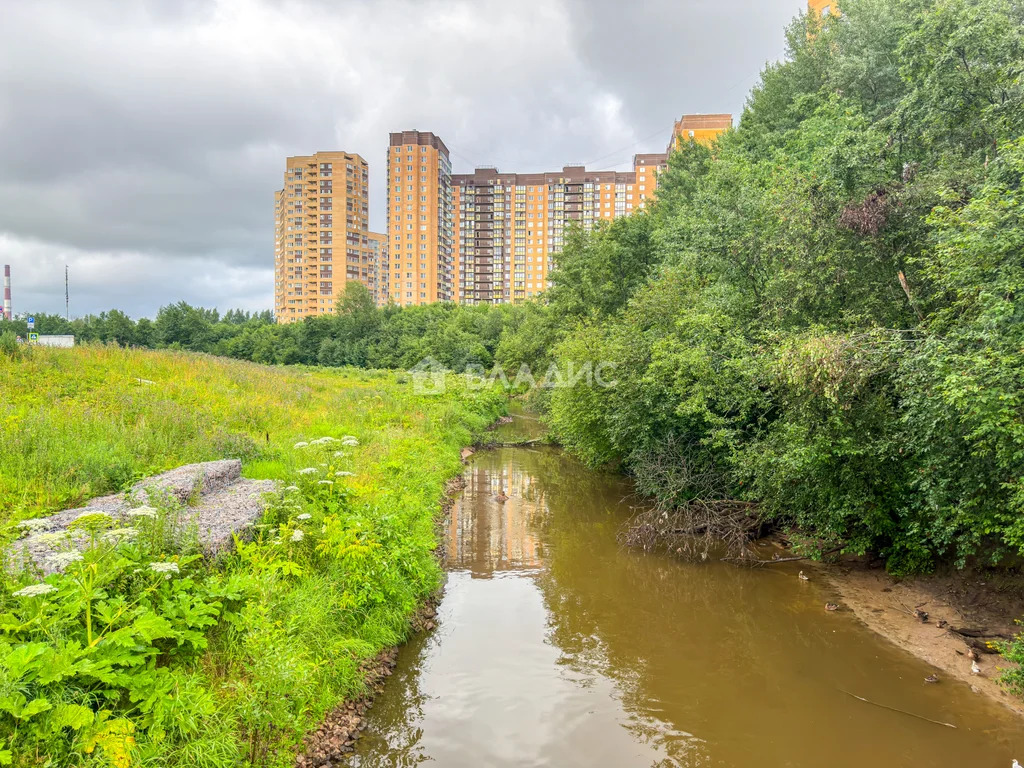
x: 142, y: 653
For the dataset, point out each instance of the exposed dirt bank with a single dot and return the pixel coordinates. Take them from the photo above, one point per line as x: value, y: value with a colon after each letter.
x: 334, y: 740
x: 966, y: 612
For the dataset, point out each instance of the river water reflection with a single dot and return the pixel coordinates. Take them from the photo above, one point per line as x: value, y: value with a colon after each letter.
x: 557, y: 648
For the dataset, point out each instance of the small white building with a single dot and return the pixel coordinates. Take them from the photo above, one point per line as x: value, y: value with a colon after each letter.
x: 55, y: 341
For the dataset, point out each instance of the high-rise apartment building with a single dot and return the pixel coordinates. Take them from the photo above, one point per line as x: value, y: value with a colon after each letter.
x: 380, y: 265
x: 700, y: 128
x: 481, y: 237
x: 419, y: 216
x: 822, y: 7
x: 508, y: 226
x: 322, y: 237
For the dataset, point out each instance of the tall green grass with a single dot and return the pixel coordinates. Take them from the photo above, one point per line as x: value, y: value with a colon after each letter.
x: 331, y: 578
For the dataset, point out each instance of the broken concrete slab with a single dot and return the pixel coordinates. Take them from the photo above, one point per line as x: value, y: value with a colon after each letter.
x: 213, y: 497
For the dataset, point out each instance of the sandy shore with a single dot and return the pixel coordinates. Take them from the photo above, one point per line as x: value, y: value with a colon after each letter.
x: 971, y: 602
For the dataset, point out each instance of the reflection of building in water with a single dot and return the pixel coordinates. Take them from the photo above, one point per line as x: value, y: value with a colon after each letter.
x: 486, y: 534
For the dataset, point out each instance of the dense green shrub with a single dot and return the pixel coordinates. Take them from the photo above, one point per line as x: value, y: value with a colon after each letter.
x: 835, y: 329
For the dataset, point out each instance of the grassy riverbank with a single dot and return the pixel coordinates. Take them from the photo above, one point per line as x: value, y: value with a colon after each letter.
x: 232, y: 662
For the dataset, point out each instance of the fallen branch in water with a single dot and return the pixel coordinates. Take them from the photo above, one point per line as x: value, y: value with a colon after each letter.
x: 775, y: 561
x: 901, y: 711
x: 696, y: 529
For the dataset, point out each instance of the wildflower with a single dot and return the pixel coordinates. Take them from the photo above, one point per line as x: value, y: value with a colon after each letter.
x: 349, y: 441
x: 304, y: 516
x: 120, y: 534
x: 48, y: 539
x: 35, y: 590
x: 338, y: 454
x: 291, y: 488
x: 301, y: 444
x: 97, y: 513
x: 297, y: 534
x: 92, y: 521
x: 308, y: 471
x: 343, y: 473
x: 326, y: 482
x: 34, y: 524
x: 324, y: 441
x: 167, y: 568
x: 61, y: 560
x: 142, y: 512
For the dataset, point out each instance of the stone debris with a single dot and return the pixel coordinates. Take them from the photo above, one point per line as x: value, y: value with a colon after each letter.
x: 335, y: 739
x: 215, y: 501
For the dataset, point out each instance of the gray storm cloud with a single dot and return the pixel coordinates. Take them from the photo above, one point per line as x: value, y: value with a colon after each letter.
x: 141, y: 143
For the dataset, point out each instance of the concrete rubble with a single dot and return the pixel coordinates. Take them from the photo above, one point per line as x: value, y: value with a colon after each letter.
x: 214, y: 499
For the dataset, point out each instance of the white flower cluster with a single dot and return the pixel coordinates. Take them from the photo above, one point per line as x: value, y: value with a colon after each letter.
x: 343, y: 473
x: 61, y: 560
x: 349, y: 441
x: 326, y: 482
x: 291, y: 489
x: 143, y: 512
x: 49, y: 539
x: 33, y: 525
x: 120, y: 534
x: 297, y: 535
x: 167, y: 568
x: 308, y: 471
x: 35, y: 590
x: 304, y: 516
x: 324, y: 440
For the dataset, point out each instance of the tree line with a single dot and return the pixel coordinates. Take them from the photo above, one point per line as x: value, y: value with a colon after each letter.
x: 823, y: 314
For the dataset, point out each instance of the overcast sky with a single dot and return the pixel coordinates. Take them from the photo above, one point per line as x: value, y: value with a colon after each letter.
x: 141, y: 142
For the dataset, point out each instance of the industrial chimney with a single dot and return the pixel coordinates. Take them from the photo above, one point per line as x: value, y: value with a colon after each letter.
x: 7, y: 292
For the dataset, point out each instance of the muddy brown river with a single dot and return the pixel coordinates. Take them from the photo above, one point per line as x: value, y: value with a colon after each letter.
x: 557, y: 648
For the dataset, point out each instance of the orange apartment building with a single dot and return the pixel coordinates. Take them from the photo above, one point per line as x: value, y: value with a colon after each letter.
x: 822, y: 7
x: 481, y: 237
x: 700, y: 128
x: 322, y: 238
x: 419, y: 217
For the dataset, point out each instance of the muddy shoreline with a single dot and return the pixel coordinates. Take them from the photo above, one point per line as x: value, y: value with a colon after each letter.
x: 335, y: 738
x: 975, y: 602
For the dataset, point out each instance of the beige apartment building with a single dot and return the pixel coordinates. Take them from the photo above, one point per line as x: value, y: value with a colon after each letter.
x: 380, y: 267
x: 509, y: 226
x: 322, y: 238
x: 419, y: 217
